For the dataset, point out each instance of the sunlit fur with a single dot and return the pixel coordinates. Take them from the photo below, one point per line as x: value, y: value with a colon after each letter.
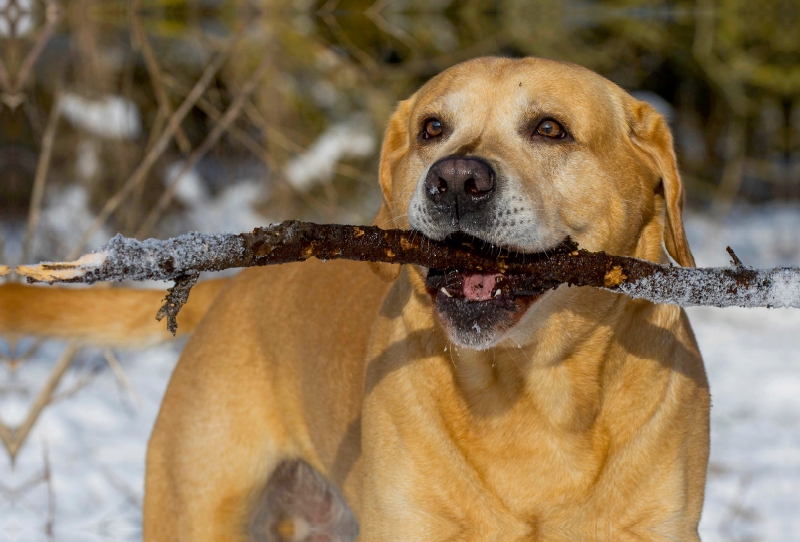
x: 587, y: 420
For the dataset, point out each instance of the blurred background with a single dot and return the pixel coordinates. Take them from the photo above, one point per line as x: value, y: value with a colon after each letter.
x: 154, y: 118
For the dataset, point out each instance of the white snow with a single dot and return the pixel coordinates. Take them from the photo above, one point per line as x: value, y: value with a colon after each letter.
x: 112, y: 117
x: 96, y: 438
x: 231, y: 210
x: 347, y: 139
x: 65, y: 216
x: 713, y: 287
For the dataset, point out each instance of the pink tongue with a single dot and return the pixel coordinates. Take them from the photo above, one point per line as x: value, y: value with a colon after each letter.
x: 480, y: 287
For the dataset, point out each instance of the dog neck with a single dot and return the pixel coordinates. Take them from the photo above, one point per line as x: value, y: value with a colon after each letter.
x: 547, y: 359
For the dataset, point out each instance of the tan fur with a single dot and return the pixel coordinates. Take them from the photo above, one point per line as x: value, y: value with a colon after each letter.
x: 587, y: 421
x: 97, y: 316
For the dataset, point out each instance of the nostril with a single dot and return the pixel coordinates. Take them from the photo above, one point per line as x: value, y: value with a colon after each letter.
x: 436, y: 185
x: 478, y: 187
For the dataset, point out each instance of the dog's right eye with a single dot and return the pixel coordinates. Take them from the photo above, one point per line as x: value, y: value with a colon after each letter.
x: 550, y: 129
x: 433, y: 128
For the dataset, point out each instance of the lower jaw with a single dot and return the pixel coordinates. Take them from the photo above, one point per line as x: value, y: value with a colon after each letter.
x: 479, y: 324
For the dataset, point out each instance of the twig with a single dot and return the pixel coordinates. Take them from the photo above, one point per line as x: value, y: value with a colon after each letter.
x: 42, y: 167
x: 736, y: 261
x: 176, y: 298
x: 85, y: 379
x: 153, y: 69
x: 181, y: 258
x: 127, y: 491
x: 16, y: 360
x: 122, y: 378
x: 375, y: 14
x: 328, y: 15
x: 14, y: 97
x: 5, y: 81
x: 208, y: 143
x: 215, y: 114
x: 158, y: 149
x: 51, y: 496
x: 13, y: 438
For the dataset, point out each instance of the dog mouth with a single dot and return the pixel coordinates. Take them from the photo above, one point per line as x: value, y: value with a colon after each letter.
x: 478, y: 307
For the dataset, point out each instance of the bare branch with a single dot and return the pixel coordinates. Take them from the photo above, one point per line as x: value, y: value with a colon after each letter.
x: 182, y: 258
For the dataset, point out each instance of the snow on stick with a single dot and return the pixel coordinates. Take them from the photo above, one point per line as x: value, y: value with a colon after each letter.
x: 181, y: 259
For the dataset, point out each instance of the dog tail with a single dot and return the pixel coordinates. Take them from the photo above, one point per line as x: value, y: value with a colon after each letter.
x: 98, y: 316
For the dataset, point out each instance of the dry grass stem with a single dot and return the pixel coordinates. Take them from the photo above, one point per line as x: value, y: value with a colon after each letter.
x: 14, y: 437
x: 122, y: 378
x: 208, y: 143
x: 53, y: 18
x: 156, y: 79
x: 140, y: 173
x: 40, y: 179
x: 16, y: 360
x: 215, y: 114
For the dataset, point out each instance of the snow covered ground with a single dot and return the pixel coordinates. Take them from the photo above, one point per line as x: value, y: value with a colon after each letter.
x: 753, y: 361
x: 94, y: 439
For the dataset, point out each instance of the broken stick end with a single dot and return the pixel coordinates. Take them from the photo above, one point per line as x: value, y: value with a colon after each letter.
x: 62, y: 271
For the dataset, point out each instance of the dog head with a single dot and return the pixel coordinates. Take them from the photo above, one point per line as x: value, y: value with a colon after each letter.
x: 520, y: 154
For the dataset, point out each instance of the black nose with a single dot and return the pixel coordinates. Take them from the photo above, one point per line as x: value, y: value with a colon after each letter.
x: 462, y: 182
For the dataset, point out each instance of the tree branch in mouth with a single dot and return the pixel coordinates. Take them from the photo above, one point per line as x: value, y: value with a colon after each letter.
x: 180, y: 259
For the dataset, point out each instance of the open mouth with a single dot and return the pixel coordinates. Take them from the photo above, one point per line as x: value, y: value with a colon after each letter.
x: 478, y: 307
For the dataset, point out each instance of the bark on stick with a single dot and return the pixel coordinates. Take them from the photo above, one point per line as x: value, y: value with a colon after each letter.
x: 181, y: 259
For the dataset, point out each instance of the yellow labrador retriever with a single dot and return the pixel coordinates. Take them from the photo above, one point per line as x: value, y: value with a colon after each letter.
x: 324, y: 401
x: 455, y: 414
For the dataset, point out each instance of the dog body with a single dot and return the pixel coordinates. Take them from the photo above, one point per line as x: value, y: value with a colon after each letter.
x: 458, y: 414
x: 586, y: 432
x: 580, y: 415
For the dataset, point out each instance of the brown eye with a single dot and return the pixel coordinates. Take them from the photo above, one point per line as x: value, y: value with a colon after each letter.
x: 550, y: 128
x: 433, y: 128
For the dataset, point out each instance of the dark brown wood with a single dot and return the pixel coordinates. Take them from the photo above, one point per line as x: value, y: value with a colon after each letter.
x: 181, y: 260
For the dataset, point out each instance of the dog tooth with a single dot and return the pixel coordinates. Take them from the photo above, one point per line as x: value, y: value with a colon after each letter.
x: 445, y: 292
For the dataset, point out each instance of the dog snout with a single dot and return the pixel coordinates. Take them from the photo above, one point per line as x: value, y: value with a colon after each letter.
x: 461, y: 183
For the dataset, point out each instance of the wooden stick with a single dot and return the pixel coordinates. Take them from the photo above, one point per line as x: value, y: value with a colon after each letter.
x: 181, y: 260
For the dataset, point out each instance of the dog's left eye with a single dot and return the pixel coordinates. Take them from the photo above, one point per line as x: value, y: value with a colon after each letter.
x: 550, y: 128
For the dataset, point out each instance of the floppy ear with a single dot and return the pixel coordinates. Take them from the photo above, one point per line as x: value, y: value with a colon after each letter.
x: 651, y: 134
x: 395, y: 145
